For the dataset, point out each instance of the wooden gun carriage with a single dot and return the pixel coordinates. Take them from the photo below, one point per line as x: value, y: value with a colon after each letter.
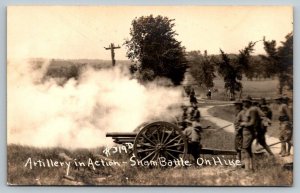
x: 160, y: 139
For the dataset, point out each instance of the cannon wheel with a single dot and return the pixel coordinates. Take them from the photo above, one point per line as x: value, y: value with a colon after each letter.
x: 160, y: 139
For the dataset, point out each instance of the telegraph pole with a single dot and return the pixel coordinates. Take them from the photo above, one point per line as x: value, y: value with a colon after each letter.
x: 112, y: 48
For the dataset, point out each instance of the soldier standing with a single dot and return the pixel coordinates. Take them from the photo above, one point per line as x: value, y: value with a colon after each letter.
x: 193, y: 99
x: 184, y: 115
x: 265, y: 109
x: 251, y: 121
x: 285, y: 126
x: 238, y: 128
x: 266, y: 116
x: 193, y: 134
x: 208, y: 95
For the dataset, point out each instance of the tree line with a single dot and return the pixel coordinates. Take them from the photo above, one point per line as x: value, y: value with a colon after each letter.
x: 155, y: 52
x: 276, y: 63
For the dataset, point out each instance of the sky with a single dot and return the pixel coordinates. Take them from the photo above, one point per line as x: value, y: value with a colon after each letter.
x: 82, y: 32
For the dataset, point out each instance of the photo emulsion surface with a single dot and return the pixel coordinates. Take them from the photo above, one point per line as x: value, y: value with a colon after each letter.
x: 150, y: 95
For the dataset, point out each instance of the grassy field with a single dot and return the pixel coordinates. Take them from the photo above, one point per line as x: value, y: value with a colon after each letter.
x: 255, y: 88
x: 268, y: 172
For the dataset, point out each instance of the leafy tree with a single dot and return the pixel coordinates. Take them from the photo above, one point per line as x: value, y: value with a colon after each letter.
x: 231, y: 74
x: 202, y: 68
x: 232, y: 69
x: 154, y: 49
x: 257, y: 69
x: 280, y: 61
x: 244, y: 60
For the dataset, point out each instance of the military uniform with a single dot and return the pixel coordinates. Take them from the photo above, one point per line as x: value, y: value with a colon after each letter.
x: 286, y: 129
x: 285, y: 126
x: 265, y: 116
x: 194, y: 137
x: 208, y: 94
x: 252, y: 118
x: 238, y: 130
x: 193, y: 99
x: 195, y: 114
x: 184, y: 118
x: 250, y: 124
x: 238, y: 139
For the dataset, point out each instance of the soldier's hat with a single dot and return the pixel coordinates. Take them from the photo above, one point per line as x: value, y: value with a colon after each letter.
x: 247, y: 99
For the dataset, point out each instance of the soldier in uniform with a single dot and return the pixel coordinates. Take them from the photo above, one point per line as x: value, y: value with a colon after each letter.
x: 238, y: 128
x: 184, y: 112
x: 208, y: 94
x: 193, y: 99
x: 286, y: 130
x: 195, y: 114
x: 193, y: 134
x: 184, y: 117
x: 250, y: 123
x: 185, y: 124
x: 265, y: 109
x: 266, y: 116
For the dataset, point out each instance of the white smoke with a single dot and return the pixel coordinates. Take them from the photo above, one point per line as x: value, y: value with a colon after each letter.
x: 79, y: 113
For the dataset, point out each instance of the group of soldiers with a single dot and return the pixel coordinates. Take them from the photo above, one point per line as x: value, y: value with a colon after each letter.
x: 253, y: 117
x: 251, y: 122
x: 192, y: 128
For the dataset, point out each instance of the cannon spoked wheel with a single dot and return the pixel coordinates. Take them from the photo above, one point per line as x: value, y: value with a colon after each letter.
x: 160, y: 139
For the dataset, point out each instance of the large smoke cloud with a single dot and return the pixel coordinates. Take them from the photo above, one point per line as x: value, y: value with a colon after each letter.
x: 80, y: 112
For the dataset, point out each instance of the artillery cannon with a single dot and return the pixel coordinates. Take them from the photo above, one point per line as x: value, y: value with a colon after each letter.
x: 160, y: 139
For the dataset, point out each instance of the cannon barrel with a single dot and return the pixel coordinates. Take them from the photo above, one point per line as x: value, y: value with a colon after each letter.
x: 121, y: 134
